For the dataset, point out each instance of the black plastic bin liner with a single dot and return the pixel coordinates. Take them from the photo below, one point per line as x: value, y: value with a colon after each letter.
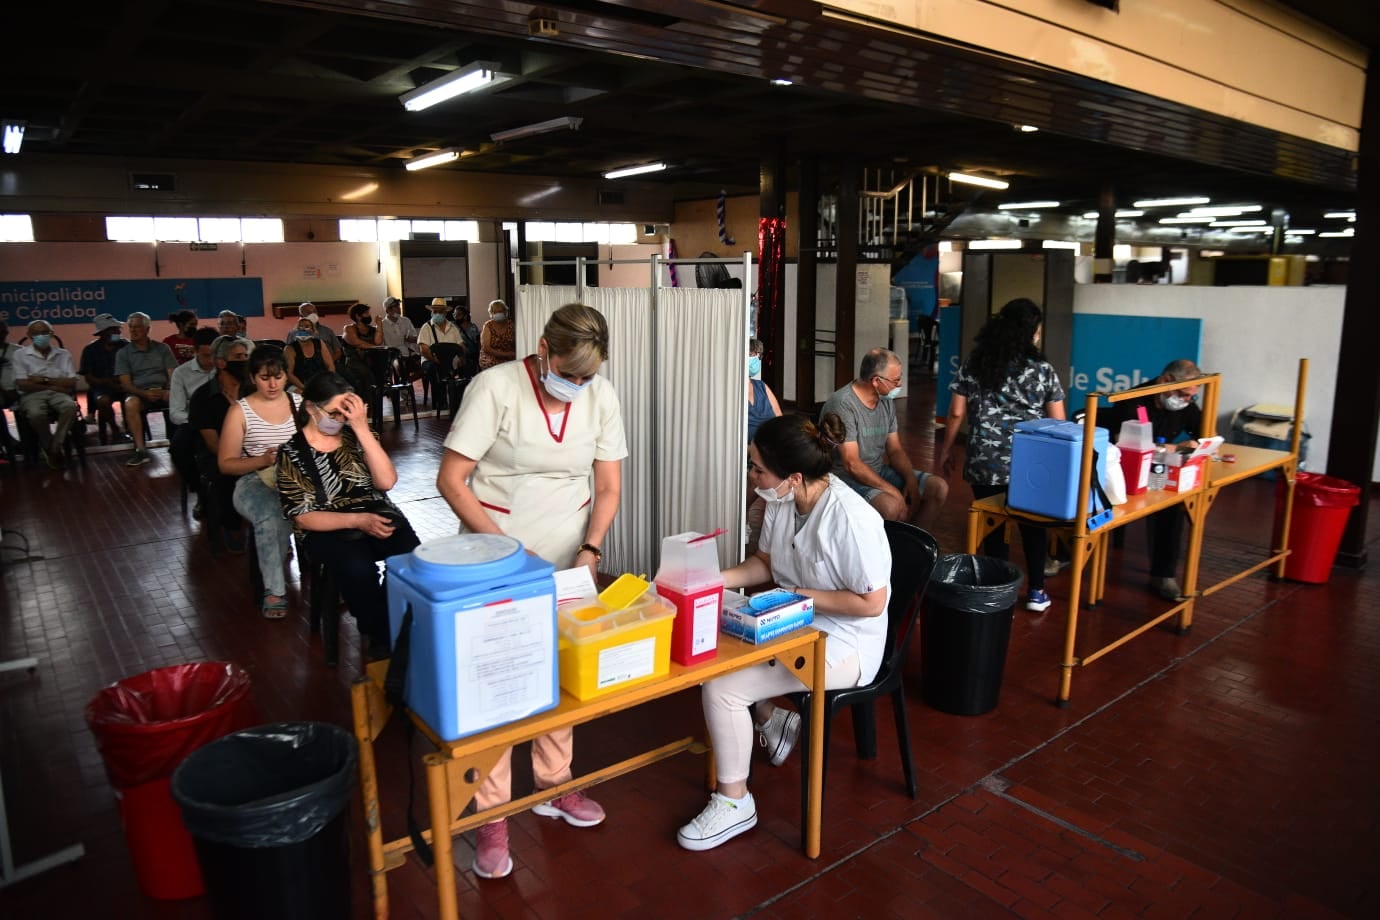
x: 964, y: 632
x: 268, y: 809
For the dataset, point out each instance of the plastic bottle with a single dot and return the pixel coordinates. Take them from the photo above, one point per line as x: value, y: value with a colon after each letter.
x: 1159, y: 466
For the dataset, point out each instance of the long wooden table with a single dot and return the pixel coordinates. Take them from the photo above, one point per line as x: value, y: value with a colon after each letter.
x: 1090, y: 547
x: 456, y: 769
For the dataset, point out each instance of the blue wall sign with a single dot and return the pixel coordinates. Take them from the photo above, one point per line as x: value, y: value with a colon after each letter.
x: 60, y: 302
x: 1114, y: 353
x: 950, y: 319
x: 917, y: 278
x: 1110, y: 353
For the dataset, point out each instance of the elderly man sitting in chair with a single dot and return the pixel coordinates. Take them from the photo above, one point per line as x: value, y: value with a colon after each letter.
x: 46, y: 380
x: 145, y: 370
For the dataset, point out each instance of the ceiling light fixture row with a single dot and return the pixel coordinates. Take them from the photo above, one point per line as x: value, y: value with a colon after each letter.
x: 14, y: 136
x: 981, y: 181
x: 426, y: 161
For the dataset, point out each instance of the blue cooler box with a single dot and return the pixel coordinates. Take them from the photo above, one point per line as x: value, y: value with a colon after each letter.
x: 483, y: 638
x: 1045, y: 456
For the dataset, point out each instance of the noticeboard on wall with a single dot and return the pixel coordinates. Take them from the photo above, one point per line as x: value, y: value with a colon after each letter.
x: 435, y: 276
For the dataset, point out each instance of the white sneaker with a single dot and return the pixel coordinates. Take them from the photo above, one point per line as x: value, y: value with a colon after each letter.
x: 779, y: 735
x: 721, y: 820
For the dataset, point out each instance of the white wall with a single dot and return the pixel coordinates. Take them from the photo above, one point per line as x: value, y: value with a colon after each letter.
x: 871, y: 316
x: 1253, y: 337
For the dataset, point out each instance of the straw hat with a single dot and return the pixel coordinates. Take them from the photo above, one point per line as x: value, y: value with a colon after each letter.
x: 439, y: 302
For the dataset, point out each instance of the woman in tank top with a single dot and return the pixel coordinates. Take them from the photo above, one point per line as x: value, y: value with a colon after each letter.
x: 306, y: 356
x: 254, y: 428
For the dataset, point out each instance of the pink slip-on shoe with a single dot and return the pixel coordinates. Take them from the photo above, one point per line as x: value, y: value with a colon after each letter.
x: 491, y: 859
x: 576, y: 808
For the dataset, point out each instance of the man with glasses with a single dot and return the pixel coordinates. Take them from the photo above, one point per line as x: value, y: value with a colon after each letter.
x: 871, y: 458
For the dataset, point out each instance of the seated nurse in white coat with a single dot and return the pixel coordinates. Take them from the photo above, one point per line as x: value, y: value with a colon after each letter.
x: 820, y: 539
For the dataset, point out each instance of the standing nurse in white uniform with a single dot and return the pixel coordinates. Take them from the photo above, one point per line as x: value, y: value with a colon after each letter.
x: 530, y: 438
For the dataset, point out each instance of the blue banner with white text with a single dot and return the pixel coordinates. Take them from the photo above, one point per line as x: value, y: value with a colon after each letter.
x: 58, y: 302
x: 1114, y: 353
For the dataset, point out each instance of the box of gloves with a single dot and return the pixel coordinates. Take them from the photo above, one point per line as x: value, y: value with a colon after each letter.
x: 764, y: 616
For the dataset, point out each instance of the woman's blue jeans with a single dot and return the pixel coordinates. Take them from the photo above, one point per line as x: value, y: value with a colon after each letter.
x: 261, y: 507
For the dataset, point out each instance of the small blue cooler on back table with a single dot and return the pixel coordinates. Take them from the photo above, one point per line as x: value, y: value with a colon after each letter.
x: 1045, y: 457
x: 483, y: 637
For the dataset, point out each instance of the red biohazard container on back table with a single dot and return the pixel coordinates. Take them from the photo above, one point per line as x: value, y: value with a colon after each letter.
x: 145, y: 726
x: 1322, y: 505
x: 690, y: 580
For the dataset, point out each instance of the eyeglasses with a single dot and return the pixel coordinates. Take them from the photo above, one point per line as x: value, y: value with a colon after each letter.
x: 893, y: 383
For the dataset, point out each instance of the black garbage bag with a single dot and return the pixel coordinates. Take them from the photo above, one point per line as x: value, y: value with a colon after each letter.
x: 268, y: 809
x: 964, y: 632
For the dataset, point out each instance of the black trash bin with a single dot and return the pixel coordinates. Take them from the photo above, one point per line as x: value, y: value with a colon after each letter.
x: 964, y: 631
x: 268, y: 809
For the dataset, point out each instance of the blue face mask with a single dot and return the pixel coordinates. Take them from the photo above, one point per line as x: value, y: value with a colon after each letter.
x: 41, y: 340
x: 562, y: 389
x: 438, y: 318
x: 754, y: 365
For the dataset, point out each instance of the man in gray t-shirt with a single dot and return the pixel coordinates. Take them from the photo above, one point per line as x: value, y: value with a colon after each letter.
x: 144, y: 368
x: 871, y: 458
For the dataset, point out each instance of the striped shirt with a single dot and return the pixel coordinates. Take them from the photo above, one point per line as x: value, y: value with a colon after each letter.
x: 260, y: 436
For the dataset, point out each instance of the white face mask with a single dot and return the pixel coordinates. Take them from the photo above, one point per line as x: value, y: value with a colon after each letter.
x: 773, y: 497
x: 314, y: 318
x: 1174, y: 402
x: 895, y: 393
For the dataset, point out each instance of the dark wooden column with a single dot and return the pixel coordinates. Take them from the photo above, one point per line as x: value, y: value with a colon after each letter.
x: 1105, y: 236
x: 846, y: 299
x: 1351, y: 448
x: 806, y: 286
x: 771, y: 313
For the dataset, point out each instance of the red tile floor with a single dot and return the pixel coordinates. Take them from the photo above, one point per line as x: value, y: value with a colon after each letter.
x: 1229, y: 772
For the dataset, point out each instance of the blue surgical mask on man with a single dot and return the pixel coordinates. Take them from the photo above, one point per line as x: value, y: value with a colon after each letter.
x: 437, y: 319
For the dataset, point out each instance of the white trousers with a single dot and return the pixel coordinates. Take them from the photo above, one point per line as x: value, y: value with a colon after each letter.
x: 728, y: 704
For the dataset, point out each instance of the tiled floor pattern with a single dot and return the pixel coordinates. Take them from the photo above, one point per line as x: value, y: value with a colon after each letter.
x: 1228, y: 772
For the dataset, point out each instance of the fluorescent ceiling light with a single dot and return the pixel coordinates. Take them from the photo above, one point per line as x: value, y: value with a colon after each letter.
x: 1027, y: 129
x: 465, y: 80
x: 446, y: 155
x: 1226, y: 210
x: 14, y: 136
x: 1027, y: 205
x: 635, y: 170
x: 781, y: 81
x: 1340, y: 215
x: 1185, y: 220
x: 564, y: 123
x: 1170, y: 202
x: 1291, y: 231
x: 1348, y: 232
x: 1123, y: 212
x: 1060, y: 244
x: 970, y: 179
x: 1250, y: 229
x: 995, y: 244
x: 1237, y: 223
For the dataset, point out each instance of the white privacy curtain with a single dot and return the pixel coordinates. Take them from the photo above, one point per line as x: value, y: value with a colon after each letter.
x: 678, y: 361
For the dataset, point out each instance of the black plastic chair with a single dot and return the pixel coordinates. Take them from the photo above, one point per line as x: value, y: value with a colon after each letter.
x: 449, y: 381
x: 400, y: 390
x: 913, y: 556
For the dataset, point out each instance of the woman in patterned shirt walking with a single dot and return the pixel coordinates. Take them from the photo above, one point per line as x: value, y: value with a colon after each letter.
x: 1006, y: 379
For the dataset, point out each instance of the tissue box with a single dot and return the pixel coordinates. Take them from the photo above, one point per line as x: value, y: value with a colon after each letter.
x: 764, y: 617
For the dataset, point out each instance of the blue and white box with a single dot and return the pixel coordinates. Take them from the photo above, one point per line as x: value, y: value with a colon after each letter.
x: 1045, y: 458
x: 483, y: 640
x: 765, y: 616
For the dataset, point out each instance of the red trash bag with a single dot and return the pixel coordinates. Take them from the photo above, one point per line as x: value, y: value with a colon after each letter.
x: 1322, y: 506
x: 145, y: 726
